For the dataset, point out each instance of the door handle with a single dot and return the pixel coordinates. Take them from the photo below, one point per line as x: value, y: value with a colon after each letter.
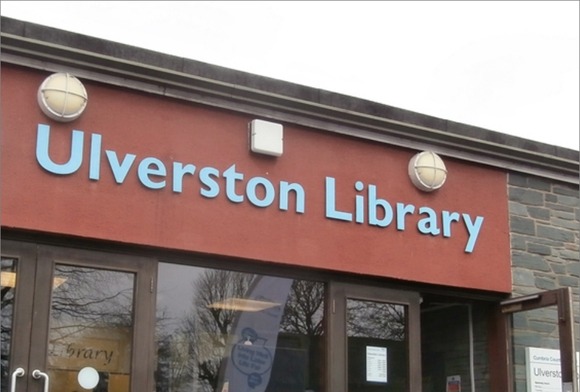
x: 38, y: 374
x: 18, y: 372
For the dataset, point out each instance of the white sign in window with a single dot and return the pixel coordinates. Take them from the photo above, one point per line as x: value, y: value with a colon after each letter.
x: 376, y: 364
x: 453, y: 384
x: 544, y: 370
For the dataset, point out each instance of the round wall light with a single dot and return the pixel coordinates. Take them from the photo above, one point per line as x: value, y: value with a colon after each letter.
x: 62, y: 97
x: 427, y: 171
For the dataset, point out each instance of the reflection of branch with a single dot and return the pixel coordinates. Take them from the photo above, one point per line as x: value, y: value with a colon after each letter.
x: 205, y: 330
x: 4, y: 292
x: 304, y: 309
x: 7, y: 306
x: 375, y: 319
x: 60, y: 333
x: 90, y: 299
x: 102, y: 299
x: 203, y: 333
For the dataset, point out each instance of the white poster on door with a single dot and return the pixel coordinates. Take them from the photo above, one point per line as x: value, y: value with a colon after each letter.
x: 544, y: 372
x: 376, y: 364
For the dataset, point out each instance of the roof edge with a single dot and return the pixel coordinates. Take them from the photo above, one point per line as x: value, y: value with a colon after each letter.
x: 49, y: 48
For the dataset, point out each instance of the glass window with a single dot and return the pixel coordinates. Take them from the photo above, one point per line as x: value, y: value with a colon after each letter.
x: 454, y: 345
x: 91, y: 324
x: 536, y: 350
x: 377, y: 346
x: 221, y: 331
x: 8, y: 275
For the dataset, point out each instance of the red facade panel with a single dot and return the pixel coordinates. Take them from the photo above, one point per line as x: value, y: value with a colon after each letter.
x: 171, y: 174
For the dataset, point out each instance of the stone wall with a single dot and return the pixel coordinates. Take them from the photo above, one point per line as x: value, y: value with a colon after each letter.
x: 545, y: 243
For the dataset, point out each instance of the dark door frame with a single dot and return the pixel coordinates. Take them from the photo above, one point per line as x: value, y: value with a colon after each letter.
x: 337, y: 359
x: 33, y: 306
x: 501, y: 356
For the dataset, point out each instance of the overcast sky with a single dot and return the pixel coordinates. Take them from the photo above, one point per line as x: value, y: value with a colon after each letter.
x: 510, y: 67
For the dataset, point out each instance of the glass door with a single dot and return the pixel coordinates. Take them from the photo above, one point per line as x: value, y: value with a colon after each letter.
x: 75, y: 320
x: 534, y: 344
x: 375, y: 340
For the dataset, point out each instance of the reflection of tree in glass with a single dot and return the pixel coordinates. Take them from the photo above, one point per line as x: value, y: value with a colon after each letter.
x: 93, y: 296
x: 7, y: 301
x: 195, y: 351
x: 376, y: 319
x: 191, y: 357
x: 304, y: 310
x: 90, y: 298
x: 175, y: 363
x: 212, y: 324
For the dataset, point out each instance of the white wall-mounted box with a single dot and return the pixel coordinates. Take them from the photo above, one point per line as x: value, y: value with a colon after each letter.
x: 266, y: 137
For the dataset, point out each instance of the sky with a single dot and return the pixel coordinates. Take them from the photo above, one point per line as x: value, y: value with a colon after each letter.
x: 506, y: 66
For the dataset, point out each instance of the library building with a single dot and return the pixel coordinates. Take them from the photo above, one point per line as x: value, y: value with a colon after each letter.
x: 169, y: 225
